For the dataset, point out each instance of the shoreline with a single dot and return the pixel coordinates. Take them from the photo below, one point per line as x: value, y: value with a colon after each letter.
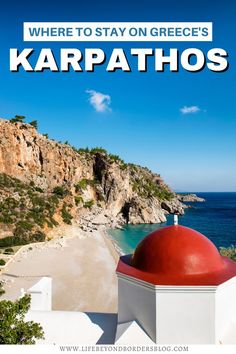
x: 110, y: 245
x: 110, y: 241
x: 81, y: 264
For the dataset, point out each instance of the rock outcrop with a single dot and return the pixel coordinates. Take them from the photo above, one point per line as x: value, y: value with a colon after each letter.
x: 90, y: 184
x: 185, y: 198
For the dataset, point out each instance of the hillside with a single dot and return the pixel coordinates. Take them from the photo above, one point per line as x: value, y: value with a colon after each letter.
x: 44, y: 183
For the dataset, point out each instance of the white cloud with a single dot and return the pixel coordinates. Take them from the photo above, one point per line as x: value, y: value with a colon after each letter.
x: 190, y: 109
x: 99, y: 101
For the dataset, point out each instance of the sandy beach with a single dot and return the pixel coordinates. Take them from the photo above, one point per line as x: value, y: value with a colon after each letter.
x: 81, y: 264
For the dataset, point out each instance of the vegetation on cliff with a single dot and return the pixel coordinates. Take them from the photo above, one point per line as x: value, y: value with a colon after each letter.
x: 147, y: 188
x: 26, y: 209
x: 229, y: 252
x: 44, y: 183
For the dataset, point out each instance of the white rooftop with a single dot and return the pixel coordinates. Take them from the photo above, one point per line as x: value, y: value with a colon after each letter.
x: 71, y: 327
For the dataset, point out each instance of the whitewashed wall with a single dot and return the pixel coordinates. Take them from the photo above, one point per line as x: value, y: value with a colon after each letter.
x: 169, y: 314
x: 137, y: 301
x: 41, y: 295
x: 225, y: 308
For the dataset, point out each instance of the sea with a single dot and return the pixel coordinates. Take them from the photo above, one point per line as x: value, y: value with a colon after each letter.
x: 214, y: 218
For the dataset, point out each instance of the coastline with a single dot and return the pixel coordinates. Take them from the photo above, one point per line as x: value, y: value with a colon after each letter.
x: 81, y: 264
x: 111, y: 243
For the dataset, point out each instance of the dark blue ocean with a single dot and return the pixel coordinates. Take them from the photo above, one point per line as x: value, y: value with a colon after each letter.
x: 215, y: 218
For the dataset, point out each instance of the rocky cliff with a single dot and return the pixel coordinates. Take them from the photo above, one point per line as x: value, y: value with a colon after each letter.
x: 62, y: 183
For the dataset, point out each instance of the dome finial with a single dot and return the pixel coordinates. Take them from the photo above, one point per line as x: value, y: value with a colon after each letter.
x: 176, y: 220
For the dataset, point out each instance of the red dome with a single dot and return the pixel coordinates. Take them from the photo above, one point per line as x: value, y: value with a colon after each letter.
x: 176, y: 250
x: 177, y: 255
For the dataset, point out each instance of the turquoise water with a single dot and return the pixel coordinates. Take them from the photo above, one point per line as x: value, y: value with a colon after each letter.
x: 216, y: 218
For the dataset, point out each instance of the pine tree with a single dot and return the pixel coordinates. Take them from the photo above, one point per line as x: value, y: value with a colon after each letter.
x: 34, y: 124
x: 17, y: 118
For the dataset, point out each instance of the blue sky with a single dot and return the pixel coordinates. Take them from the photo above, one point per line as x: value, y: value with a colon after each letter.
x: 144, y: 125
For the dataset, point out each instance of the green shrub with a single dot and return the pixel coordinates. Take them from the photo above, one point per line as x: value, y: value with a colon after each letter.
x: 34, y: 124
x: 38, y: 189
x: 89, y: 204
x: 60, y: 191
x: 78, y: 199
x: 53, y: 199
x: 9, y: 251
x: 53, y: 221
x: 37, y: 216
x: 23, y: 239
x: 2, y: 262
x: 38, y: 236
x: 49, y: 223
x: 22, y: 227
x: 17, y: 118
x: 10, y: 241
x: 83, y: 184
x: 7, y: 181
x: 6, y: 219
x: 123, y: 166
x: 66, y: 216
x: 38, y: 201
x: 133, y: 167
x: 229, y: 252
x: 116, y: 158
x: 98, y: 150
x: 82, y: 150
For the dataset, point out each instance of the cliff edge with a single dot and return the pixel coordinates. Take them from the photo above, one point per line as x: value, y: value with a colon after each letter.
x: 44, y: 183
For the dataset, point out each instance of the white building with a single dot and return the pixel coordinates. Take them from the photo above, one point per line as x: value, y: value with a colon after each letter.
x: 175, y: 288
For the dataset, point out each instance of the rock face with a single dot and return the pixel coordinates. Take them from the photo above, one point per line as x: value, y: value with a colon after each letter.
x: 27, y: 155
x: 90, y: 183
